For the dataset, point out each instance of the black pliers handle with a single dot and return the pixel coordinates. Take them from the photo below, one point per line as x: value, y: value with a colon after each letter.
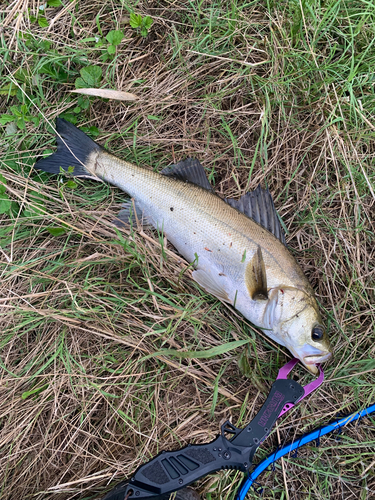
x: 170, y: 471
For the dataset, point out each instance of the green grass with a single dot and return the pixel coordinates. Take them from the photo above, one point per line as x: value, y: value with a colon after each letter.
x: 281, y: 93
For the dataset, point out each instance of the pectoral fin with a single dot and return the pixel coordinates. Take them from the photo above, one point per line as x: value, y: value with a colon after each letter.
x: 255, y: 277
x: 211, y: 285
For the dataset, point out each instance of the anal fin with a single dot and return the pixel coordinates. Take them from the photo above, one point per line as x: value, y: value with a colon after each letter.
x: 211, y: 285
x: 256, y: 278
x: 129, y: 214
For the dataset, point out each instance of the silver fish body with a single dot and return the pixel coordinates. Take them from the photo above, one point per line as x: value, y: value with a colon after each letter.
x: 233, y: 255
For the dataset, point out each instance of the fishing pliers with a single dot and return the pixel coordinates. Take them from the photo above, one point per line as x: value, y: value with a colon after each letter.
x: 170, y: 471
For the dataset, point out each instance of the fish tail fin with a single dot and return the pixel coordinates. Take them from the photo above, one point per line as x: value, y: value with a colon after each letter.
x: 73, y: 149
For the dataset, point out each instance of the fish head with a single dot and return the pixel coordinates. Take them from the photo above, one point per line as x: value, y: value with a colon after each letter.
x: 296, y: 322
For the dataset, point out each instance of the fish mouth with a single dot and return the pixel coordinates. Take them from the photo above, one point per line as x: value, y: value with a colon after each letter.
x: 313, y: 360
x: 311, y: 356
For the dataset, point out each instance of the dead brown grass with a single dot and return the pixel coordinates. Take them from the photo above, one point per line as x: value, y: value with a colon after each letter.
x: 82, y: 314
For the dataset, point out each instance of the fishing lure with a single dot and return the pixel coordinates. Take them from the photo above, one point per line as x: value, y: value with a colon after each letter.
x: 170, y: 471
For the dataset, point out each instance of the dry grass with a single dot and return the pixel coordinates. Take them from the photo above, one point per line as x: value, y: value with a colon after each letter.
x: 84, y: 397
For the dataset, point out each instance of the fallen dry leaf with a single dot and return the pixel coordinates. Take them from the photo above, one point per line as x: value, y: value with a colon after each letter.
x: 107, y: 94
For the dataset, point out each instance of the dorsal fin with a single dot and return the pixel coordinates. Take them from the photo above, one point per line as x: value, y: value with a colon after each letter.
x: 258, y: 205
x: 190, y: 170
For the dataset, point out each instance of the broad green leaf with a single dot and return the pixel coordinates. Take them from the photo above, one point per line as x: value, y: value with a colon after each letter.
x: 115, y: 37
x: 14, y: 208
x: 47, y: 69
x: 56, y: 231
x: 71, y: 184
x: 21, y: 123
x: 135, y: 20
x: 70, y: 117
x: 147, y: 22
x: 111, y: 49
x: 5, y: 204
x: 91, y: 75
x: 45, y: 45
x: 42, y: 21
x: 54, y: 3
x: 144, y: 32
x: 92, y: 131
x: 8, y: 89
x: 4, y: 119
x: 80, y: 83
x: 16, y: 111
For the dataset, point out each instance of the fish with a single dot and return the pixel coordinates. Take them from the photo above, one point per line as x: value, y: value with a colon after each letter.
x: 237, y: 247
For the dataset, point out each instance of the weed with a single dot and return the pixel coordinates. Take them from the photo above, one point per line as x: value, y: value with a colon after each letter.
x: 141, y: 24
x: 91, y: 77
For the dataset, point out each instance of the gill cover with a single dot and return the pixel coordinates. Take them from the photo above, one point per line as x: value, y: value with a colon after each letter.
x: 293, y: 316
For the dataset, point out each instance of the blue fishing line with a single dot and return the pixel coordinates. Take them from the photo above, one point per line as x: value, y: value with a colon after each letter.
x: 307, y: 438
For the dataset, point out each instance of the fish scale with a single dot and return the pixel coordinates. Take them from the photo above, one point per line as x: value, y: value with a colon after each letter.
x: 200, y: 221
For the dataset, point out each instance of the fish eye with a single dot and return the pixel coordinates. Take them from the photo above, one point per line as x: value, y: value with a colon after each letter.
x: 317, y: 332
